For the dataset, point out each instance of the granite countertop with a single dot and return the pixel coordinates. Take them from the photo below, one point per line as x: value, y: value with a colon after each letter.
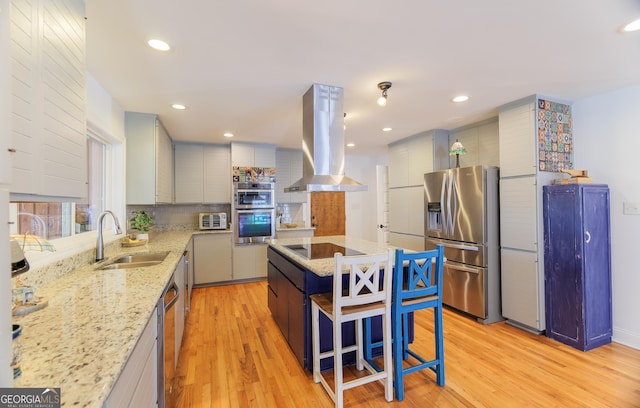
x: 326, y: 266
x: 298, y: 228
x: 81, y: 341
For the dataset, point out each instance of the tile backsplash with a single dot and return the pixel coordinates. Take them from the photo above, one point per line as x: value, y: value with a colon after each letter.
x: 173, y: 217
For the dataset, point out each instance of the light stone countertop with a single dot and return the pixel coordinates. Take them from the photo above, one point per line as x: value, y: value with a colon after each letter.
x: 299, y: 228
x: 81, y: 341
x: 326, y: 266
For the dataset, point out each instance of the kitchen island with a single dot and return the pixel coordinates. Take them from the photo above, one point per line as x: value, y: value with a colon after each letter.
x: 299, y: 268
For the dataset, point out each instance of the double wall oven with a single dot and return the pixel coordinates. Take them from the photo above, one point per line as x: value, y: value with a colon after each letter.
x: 254, y: 215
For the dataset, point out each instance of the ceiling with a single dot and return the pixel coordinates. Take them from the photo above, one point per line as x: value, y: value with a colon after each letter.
x: 243, y: 66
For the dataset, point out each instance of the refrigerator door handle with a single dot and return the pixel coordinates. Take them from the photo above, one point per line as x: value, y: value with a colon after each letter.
x: 455, y: 246
x: 459, y: 267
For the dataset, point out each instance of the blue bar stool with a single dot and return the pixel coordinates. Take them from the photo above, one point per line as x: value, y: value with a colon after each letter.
x: 417, y: 284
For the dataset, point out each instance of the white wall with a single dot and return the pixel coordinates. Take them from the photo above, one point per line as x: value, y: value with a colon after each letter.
x: 107, y: 117
x: 360, y: 206
x: 103, y: 112
x: 606, y: 131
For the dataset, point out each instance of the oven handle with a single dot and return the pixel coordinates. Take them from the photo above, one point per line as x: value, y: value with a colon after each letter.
x: 455, y: 246
x: 254, y: 190
x: 459, y: 267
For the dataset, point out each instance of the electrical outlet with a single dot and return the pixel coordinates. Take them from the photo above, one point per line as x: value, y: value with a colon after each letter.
x: 631, y: 208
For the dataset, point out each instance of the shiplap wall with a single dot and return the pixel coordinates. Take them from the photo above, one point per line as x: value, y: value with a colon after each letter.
x: 49, y: 97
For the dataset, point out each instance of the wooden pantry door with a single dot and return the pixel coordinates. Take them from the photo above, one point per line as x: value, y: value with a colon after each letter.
x: 327, y: 213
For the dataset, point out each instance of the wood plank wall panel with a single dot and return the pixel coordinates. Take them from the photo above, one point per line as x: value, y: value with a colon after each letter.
x: 64, y: 98
x: 49, y: 97
x: 23, y: 65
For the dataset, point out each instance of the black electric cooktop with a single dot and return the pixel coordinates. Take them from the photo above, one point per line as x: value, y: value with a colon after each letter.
x: 321, y: 250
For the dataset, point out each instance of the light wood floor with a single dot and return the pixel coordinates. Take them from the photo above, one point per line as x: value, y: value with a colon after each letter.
x: 233, y: 355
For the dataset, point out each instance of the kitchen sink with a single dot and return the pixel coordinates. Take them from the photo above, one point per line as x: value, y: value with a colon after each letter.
x: 136, y: 260
x: 141, y: 257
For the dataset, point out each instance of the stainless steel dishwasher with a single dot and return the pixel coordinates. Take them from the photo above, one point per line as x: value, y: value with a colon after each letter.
x: 167, y: 343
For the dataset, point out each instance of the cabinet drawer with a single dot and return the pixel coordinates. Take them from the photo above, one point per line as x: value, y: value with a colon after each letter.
x: 273, y: 278
x: 291, y: 271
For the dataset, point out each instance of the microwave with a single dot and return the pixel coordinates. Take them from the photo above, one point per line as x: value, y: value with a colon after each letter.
x: 212, y: 221
x: 253, y: 195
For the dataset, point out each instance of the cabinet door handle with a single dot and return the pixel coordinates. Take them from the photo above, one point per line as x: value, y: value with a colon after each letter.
x: 586, y: 233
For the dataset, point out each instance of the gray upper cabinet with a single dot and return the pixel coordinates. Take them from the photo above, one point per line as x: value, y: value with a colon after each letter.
x: 518, y: 149
x: 288, y: 171
x: 217, y: 174
x: 481, y: 143
x: 149, y: 160
x: 253, y: 154
x: 48, y: 126
x: 411, y: 158
x: 202, y: 174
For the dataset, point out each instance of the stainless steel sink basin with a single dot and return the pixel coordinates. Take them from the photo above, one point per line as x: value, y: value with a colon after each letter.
x: 141, y: 257
x: 136, y: 260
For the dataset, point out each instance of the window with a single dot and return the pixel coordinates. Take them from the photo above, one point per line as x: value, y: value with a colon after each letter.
x: 59, y: 220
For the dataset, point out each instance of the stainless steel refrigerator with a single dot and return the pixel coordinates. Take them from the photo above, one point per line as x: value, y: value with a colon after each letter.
x: 461, y: 207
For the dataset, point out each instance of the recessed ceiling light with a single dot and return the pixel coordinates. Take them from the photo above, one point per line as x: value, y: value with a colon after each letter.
x: 228, y: 134
x: 178, y: 106
x: 351, y: 144
x: 632, y: 26
x: 460, y: 98
x: 158, y: 45
x: 387, y: 129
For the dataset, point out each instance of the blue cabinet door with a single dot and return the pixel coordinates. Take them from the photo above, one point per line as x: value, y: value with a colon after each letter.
x: 577, y: 264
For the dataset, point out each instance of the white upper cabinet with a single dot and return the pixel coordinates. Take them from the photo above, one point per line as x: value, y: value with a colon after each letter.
x: 288, y: 171
x: 518, y: 139
x: 480, y: 142
x: 5, y: 97
x: 399, y: 164
x: 202, y: 174
x: 149, y: 160
x: 48, y: 98
x: 189, y: 174
x: 217, y: 174
x: 411, y: 158
x: 253, y: 154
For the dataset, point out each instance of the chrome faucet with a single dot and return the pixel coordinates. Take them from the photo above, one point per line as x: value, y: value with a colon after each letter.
x: 100, y: 243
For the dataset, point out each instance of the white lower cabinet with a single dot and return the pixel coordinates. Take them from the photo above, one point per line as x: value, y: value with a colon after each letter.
x: 249, y: 261
x: 212, y: 258
x: 137, y: 385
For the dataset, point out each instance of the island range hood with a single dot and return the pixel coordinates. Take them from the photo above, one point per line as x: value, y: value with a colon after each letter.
x: 323, y: 142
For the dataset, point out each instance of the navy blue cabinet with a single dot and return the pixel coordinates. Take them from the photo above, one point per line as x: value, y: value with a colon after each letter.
x: 577, y: 264
x: 289, y: 288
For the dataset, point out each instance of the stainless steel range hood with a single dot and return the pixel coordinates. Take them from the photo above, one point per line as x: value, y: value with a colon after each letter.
x: 323, y: 142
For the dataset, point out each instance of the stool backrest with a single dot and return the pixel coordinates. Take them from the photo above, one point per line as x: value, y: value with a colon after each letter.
x: 366, y: 282
x: 423, y: 275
